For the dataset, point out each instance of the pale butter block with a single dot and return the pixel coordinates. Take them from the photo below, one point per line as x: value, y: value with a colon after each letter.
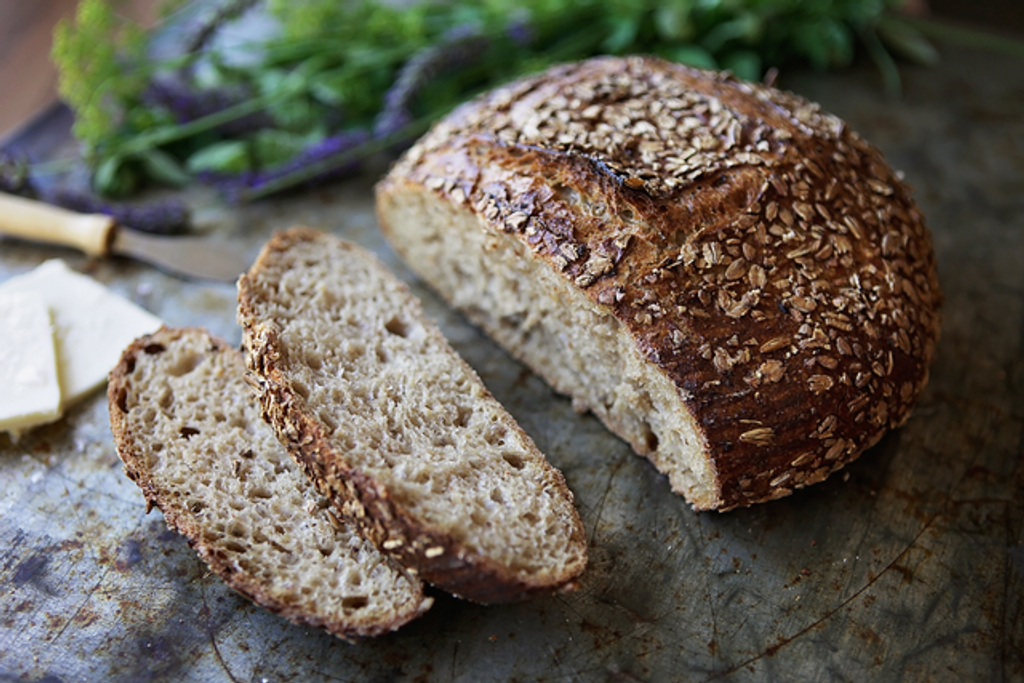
x: 92, y: 324
x: 29, y: 386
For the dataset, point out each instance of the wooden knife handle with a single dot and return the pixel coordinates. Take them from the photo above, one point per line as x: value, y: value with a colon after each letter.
x: 39, y: 222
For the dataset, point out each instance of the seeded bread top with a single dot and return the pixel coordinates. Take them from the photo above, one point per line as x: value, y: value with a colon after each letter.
x: 762, y: 255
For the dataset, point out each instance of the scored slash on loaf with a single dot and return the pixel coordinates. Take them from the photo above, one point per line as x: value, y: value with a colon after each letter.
x: 396, y: 429
x: 726, y: 275
x: 192, y: 439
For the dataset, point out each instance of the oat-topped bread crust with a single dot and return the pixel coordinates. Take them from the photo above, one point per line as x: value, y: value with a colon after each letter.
x: 761, y: 275
x: 396, y: 429
x: 193, y: 440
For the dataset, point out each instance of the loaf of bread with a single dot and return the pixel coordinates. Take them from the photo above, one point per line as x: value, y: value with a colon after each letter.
x: 731, y: 279
x: 395, y: 427
x: 192, y: 439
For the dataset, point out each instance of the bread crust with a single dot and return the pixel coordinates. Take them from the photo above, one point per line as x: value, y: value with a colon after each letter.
x: 189, y: 525
x: 431, y: 553
x: 761, y: 256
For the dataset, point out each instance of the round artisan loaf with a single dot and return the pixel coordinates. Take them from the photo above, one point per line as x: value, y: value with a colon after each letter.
x: 726, y: 275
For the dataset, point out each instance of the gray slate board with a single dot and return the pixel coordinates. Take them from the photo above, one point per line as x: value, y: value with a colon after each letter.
x: 908, y: 565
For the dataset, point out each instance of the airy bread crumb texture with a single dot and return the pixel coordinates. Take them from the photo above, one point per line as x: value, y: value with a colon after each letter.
x: 391, y: 420
x: 193, y: 440
x: 578, y: 347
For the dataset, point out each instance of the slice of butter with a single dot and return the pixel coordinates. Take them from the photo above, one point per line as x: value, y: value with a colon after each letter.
x: 30, y: 394
x: 92, y: 324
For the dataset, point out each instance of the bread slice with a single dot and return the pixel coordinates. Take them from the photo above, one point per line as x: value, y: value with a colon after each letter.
x: 192, y: 439
x: 731, y: 279
x: 397, y: 429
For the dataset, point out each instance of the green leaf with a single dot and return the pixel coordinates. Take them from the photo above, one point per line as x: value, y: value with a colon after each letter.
x: 623, y: 34
x: 906, y: 40
x: 745, y: 64
x: 104, y: 177
x: 746, y: 28
x: 224, y: 157
x: 823, y: 42
x: 274, y: 146
x: 673, y: 22
x: 163, y: 168
x: 330, y: 87
x: 279, y: 83
x: 297, y: 114
x: 884, y: 61
x: 694, y: 55
x: 115, y: 177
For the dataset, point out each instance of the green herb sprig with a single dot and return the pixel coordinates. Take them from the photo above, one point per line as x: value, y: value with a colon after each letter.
x: 97, y: 57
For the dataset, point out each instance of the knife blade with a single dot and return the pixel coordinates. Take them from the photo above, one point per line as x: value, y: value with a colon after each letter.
x: 100, y: 235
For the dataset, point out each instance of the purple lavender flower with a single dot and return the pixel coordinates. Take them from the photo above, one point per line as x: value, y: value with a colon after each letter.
x: 389, y: 121
x: 15, y: 177
x: 188, y: 104
x: 520, y: 32
x: 458, y: 46
x: 316, y: 164
x: 168, y: 217
x: 230, y: 186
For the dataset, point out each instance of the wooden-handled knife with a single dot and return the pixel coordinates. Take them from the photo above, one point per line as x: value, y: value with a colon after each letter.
x: 99, y: 235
